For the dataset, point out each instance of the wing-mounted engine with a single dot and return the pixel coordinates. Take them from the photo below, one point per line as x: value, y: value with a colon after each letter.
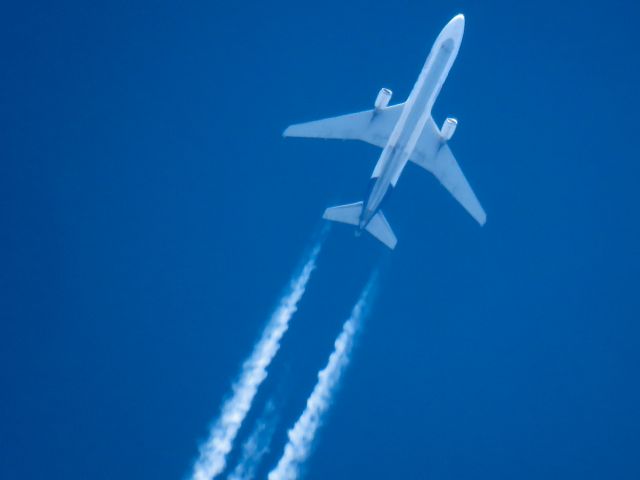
x: 448, y: 128
x: 383, y: 98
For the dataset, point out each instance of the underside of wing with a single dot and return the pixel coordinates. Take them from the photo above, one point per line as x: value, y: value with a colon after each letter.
x: 434, y: 155
x: 371, y: 126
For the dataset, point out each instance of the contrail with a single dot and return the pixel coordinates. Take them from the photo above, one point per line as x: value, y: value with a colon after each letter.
x: 303, y: 432
x: 213, y: 453
x: 256, y: 446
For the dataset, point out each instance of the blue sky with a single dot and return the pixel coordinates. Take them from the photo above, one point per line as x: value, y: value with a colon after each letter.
x: 152, y: 214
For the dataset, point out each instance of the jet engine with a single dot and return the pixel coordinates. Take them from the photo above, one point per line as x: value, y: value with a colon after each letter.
x: 448, y: 128
x: 382, y: 100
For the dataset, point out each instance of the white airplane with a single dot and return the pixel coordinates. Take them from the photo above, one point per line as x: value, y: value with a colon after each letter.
x: 405, y: 131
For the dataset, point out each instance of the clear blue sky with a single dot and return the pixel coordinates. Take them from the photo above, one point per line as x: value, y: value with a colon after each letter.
x: 151, y: 213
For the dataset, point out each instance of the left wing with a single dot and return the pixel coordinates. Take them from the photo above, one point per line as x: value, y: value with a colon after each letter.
x: 433, y: 154
x: 371, y: 126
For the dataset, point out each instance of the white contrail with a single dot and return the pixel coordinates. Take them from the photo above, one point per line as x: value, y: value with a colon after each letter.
x: 213, y: 453
x: 303, y: 432
x: 256, y: 446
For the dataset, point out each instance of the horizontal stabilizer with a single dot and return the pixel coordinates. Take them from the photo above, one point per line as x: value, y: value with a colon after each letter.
x: 350, y: 214
x: 344, y: 213
x: 379, y: 228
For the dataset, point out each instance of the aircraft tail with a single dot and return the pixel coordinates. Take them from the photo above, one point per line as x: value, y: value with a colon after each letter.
x: 377, y: 226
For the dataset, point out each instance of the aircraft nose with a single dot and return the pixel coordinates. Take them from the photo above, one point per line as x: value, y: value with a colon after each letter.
x: 456, y: 25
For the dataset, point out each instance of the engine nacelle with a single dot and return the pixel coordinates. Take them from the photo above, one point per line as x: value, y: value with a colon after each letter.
x: 382, y: 100
x: 448, y: 128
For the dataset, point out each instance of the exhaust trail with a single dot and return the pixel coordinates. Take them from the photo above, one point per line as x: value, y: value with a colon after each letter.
x: 302, y: 434
x: 256, y: 446
x: 213, y: 452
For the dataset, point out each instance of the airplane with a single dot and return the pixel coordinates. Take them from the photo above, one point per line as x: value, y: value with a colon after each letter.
x: 405, y: 131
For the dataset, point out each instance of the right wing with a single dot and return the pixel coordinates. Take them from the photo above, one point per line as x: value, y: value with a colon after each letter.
x: 370, y: 126
x: 434, y: 155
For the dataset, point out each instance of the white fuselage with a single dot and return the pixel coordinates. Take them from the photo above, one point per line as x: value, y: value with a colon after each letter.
x: 414, y: 116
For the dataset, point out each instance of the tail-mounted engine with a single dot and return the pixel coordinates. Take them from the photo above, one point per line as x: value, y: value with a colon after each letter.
x: 448, y: 128
x: 383, y: 98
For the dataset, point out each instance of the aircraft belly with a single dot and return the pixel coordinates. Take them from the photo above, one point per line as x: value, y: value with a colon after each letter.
x: 436, y: 73
x: 417, y: 110
x: 385, y: 159
x: 378, y: 192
